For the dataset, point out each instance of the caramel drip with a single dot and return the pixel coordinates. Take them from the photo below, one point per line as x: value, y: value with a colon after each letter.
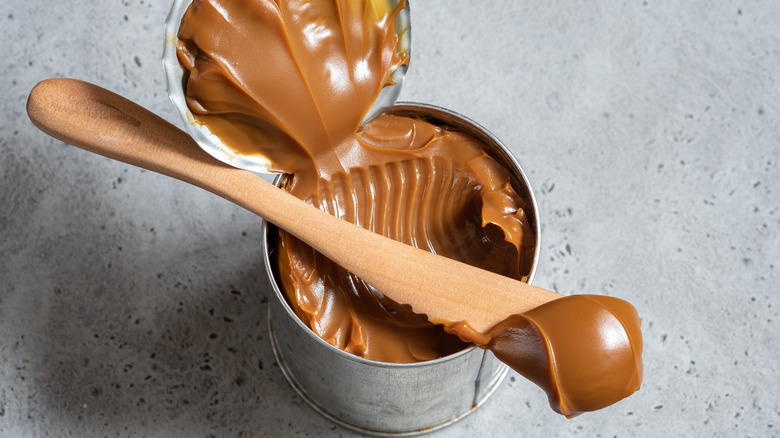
x: 584, y: 351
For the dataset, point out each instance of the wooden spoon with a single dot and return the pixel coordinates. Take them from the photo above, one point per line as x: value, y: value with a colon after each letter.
x: 445, y: 290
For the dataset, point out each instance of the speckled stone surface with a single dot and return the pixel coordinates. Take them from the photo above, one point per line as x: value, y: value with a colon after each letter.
x: 133, y: 305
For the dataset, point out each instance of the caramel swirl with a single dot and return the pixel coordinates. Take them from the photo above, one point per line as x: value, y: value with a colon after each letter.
x: 422, y: 185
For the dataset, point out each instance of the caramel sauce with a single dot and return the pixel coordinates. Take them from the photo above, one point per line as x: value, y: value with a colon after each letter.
x: 584, y: 351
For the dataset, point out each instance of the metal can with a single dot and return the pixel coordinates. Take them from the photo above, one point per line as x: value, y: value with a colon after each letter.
x: 372, y: 397
x: 380, y: 398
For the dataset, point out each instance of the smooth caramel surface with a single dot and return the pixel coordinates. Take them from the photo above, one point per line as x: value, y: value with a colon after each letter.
x: 288, y: 80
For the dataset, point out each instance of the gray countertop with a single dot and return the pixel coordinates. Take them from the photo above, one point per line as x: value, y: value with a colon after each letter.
x: 134, y: 305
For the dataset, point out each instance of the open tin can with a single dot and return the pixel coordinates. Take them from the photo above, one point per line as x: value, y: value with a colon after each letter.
x: 380, y: 398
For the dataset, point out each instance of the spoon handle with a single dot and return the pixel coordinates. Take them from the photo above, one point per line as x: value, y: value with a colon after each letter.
x: 107, y: 124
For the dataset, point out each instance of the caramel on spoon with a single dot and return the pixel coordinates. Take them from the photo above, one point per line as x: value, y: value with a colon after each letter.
x: 584, y: 350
